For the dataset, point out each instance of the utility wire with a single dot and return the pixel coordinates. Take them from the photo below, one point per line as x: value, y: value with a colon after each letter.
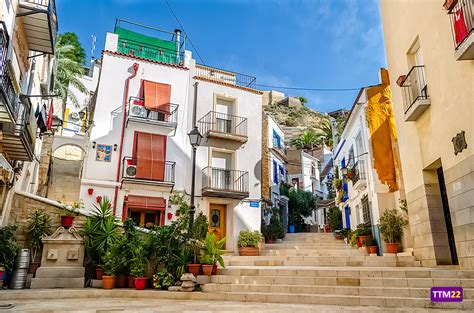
x: 184, y: 31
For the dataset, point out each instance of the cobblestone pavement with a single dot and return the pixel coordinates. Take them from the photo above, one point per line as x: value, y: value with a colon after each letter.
x: 108, y: 305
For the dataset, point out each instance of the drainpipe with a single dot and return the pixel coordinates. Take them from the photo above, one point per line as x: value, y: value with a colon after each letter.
x: 119, y: 164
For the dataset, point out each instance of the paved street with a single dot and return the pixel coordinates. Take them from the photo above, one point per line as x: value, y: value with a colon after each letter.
x: 151, y: 305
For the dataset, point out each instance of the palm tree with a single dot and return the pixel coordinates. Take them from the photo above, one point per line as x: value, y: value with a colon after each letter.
x: 68, y: 72
x: 306, y: 140
x: 326, y: 133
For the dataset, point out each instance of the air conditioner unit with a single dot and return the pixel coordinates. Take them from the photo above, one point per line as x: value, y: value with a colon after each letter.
x: 75, y: 115
x: 131, y: 171
x: 138, y: 110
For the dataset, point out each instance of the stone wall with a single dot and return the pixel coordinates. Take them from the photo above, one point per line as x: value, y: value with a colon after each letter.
x: 22, y: 206
x: 43, y: 172
x: 65, y: 183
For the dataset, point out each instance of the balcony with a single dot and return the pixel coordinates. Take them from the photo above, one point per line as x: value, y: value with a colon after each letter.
x: 148, y: 172
x: 223, y: 183
x: 225, y: 77
x: 222, y: 126
x: 40, y: 24
x: 461, y: 16
x: 18, y: 143
x: 415, y: 93
x: 359, y: 178
x: 165, y: 117
x: 279, y: 150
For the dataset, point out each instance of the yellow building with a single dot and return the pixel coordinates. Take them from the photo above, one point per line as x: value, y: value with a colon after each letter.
x: 431, y: 50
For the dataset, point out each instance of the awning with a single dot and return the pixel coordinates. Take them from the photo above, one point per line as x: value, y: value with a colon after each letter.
x: 148, y: 203
x: 4, y: 164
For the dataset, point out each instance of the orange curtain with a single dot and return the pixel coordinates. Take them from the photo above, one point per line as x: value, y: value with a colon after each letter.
x: 151, y: 155
x: 157, y: 96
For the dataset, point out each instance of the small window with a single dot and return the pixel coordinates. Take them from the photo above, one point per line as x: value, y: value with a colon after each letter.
x: 276, y: 140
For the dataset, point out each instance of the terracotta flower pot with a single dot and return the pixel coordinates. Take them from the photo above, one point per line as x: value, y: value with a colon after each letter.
x: 66, y: 221
x: 360, y: 240
x: 249, y: 251
x: 214, y: 269
x: 268, y: 240
x: 392, y: 247
x: 108, y: 282
x: 373, y: 249
x: 121, y: 281
x: 131, y: 282
x: 194, y: 269
x: 207, y: 269
x: 33, y: 267
x: 367, y: 249
x: 99, y: 273
x: 140, y: 283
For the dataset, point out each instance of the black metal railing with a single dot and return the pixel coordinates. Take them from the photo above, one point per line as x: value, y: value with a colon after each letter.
x: 358, y: 172
x: 50, y: 7
x: 226, y: 76
x: 462, y: 21
x: 148, y: 170
x: 20, y: 131
x: 414, y: 87
x: 214, y: 178
x: 223, y: 123
x: 150, y: 52
x: 166, y: 113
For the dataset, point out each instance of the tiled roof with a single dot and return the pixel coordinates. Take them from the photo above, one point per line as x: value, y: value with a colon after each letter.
x: 145, y: 60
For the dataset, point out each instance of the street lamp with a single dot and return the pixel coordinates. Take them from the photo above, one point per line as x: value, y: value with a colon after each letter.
x: 195, y: 138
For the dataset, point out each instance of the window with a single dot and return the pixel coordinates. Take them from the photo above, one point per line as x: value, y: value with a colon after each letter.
x: 359, y: 145
x: 276, y: 140
x: 275, y: 172
x: 366, y: 210
x: 146, y: 211
x: 145, y: 218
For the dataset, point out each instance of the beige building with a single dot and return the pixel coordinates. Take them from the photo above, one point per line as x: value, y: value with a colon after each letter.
x: 431, y: 51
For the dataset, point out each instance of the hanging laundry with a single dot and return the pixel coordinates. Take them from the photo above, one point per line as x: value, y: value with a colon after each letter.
x: 49, y: 122
x: 41, y: 120
x: 460, y: 29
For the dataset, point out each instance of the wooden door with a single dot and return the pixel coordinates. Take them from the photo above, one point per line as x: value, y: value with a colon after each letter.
x: 217, y: 220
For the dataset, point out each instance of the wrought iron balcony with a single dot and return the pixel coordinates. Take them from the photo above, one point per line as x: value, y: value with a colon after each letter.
x: 224, y: 126
x: 224, y: 183
x: 40, y: 23
x: 462, y: 26
x: 225, y: 77
x: 415, y: 93
x: 148, y: 171
x: 359, y: 175
x: 280, y: 149
x: 166, y: 116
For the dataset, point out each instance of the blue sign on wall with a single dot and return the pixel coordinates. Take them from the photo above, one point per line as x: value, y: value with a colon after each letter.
x: 254, y: 204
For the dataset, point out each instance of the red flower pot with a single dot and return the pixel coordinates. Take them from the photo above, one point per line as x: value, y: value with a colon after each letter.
x: 361, y: 239
x: 367, y: 249
x: 140, y: 283
x: 207, y: 269
x: 66, y: 221
x: 131, y: 282
x: 194, y: 269
x: 373, y: 249
x: 170, y: 215
x: 99, y: 273
x: 392, y: 247
x: 90, y: 191
x: 1, y: 275
x: 214, y: 269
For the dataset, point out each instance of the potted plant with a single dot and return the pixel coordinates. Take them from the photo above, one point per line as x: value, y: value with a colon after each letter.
x: 39, y: 226
x: 212, y: 254
x: 274, y: 230
x: 391, y: 227
x: 163, y: 280
x: 68, y: 213
x: 200, y: 230
x: 364, y: 231
x: 370, y: 245
x: 248, y: 242
x: 110, y: 265
x: 137, y: 267
x: 8, y: 247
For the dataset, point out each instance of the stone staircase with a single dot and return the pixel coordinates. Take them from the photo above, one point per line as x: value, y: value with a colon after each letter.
x: 312, y: 268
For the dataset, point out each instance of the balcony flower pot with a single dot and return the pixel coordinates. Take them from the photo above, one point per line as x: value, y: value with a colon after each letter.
x: 246, y: 251
x: 207, y: 269
x: 90, y: 191
x: 99, y: 273
x: 33, y: 267
x: 98, y: 199
x: 291, y: 229
x: 66, y: 221
x: 373, y: 249
x: 108, y: 282
x: 140, y: 283
x: 131, y: 282
x: 392, y: 247
x: 121, y: 281
x: 194, y: 269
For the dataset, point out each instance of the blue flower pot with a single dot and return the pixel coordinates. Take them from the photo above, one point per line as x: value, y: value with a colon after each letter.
x: 292, y: 229
x: 300, y: 228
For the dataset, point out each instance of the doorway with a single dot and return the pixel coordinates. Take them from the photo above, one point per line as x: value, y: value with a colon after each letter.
x: 447, y: 217
x: 217, y: 220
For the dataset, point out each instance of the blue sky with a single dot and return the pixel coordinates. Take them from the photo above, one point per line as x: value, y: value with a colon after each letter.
x: 297, y: 43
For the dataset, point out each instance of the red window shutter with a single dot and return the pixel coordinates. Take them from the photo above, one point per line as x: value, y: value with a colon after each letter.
x: 158, y: 152
x: 157, y: 96
x: 150, y: 155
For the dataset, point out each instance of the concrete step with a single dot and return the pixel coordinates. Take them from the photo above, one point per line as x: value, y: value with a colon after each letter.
x: 278, y: 260
x: 409, y: 292
x: 306, y: 245
x: 344, y: 281
x: 43, y: 283
x: 306, y: 252
x: 340, y: 300
x: 381, y: 272
x: 60, y: 272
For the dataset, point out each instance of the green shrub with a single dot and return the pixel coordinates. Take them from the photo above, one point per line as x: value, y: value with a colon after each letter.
x: 8, y: 247
x: 249, y: 238
x: 391, y: 225
x: 213, y: 250
x: 335, y: 218
x: 274, y: 230
x: 39, y: 226
x: 369, y: 242
x: 163, y: 280
x: 364, y: 229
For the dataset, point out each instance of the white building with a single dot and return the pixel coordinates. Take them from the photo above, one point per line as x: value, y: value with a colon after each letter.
x: 139, y: 151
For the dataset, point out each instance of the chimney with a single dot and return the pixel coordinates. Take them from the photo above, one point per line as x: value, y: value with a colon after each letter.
x: 178, y: 40
x: 384, y: 77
